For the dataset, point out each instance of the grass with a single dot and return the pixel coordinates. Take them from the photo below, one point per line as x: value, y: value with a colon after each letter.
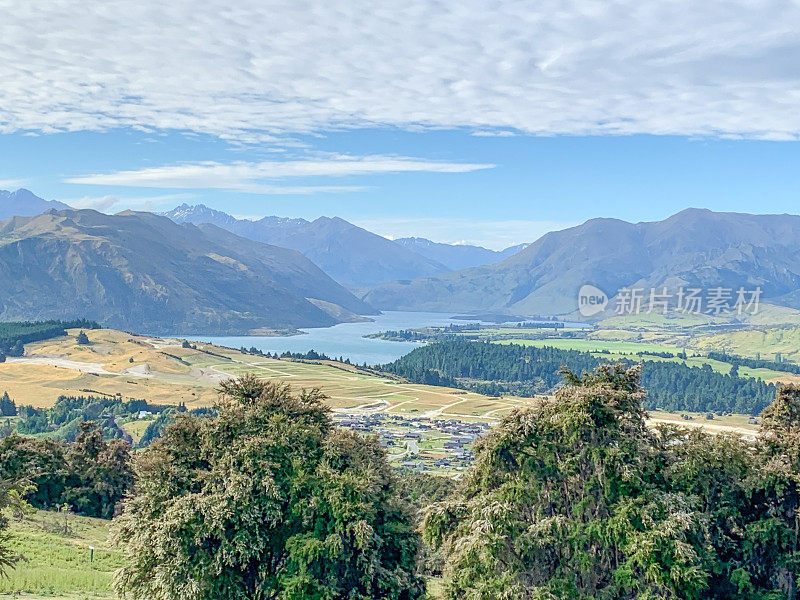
x: 137, y: 428
x: 765, y: 341
x: 737, y: 424
x: 193, y: 375
x: 56, y: 564
x: 615, y: 349
x: 591, y: 345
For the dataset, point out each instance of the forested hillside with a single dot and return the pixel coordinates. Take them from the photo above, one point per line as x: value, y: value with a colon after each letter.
x: 526, y: 371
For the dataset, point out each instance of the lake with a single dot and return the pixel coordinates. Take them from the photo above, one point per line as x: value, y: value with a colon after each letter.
x: 346, y: 339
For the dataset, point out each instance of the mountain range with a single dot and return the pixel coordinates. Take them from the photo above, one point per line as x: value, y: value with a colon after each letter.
x: 25, y: 203
x: 351, y: 255
x: 457, y: 256
x: 147, y: 272
x: 695, y: 248
x: 143, y: 272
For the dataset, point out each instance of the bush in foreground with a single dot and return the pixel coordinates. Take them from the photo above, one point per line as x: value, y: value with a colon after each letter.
x: 266, y: 500
x: 576, y: 499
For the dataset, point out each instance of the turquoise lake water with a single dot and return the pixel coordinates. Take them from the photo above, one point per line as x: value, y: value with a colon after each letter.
x: 346, y: 340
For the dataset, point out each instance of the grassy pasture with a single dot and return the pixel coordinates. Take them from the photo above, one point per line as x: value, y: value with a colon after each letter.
x: 56, y: 563
x: 165, y: 373
x: 615, y: 349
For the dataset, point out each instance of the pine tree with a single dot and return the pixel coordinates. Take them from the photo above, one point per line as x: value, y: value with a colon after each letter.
x: 7, y: 406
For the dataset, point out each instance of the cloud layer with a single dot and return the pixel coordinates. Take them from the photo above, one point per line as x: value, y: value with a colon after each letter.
x: 254, y: 176
x: 255, y: 69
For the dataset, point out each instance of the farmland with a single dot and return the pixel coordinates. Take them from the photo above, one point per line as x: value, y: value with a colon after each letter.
x: 163, y: 371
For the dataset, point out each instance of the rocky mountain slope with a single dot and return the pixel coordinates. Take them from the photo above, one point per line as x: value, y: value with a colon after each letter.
x: 145, y: 273
x: 693, y: 248
x: 25, y: 203
x: 351, y: 255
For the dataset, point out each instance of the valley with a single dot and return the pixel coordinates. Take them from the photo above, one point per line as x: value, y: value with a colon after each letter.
x: 162, y: 371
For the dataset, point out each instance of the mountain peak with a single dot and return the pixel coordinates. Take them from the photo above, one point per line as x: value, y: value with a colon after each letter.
x: 24, y: 203
x: 697, y: 247
x: 351, y: 255
x: 197, y: 214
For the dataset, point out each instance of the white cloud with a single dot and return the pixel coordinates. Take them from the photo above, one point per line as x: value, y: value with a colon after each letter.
x: 102, y: 203
x: 496, y: 235
x: 112, y: 203
x: 262, y: 70
x: 494, y: 133
x: 12, y: 184
x: 254, y: 177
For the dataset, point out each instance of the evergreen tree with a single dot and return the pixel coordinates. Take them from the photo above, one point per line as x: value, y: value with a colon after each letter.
x: 567, y: 500
x: 90, y: 474
x: 775, y: 539
x: 82, y: 339
x: 266, y: 500
x: 7, y: 406
x: 100, y: 472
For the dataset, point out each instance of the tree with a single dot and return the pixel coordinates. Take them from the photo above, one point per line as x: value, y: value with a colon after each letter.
x: 716, y: 473
x: 7, y: 406
x: 40, y: 461
x: 9, y: 498
x: 100, y: 472
x: 90, y: 474
x: 266, y: 500
x: 82, y: 339
x: 775, y: 539
x: 567, y: 501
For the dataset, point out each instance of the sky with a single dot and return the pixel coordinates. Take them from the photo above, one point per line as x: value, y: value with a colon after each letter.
x: 487, y: 123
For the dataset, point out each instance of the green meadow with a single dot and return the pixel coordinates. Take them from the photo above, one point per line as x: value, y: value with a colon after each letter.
x: 56, y: 559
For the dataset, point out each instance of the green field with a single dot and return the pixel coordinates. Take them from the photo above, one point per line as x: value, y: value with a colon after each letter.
x: 613, y: 350
x: 590, y: 345
x: 55, y: 557
x: 161, y: 371
x: 55, y: 563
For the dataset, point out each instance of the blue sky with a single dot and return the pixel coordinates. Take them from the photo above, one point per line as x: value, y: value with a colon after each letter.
x: 489, y: 125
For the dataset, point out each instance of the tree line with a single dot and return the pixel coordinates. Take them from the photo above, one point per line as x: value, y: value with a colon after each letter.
x: 14, y: 335
x: 527, y: 371
x: 62, y: 420
x: 576, y: 498
x: 755, y: 363
x: 572, y: 498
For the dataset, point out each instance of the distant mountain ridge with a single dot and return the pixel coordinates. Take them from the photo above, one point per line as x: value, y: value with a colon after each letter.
x: 695, y: 247
x: 139, y: 271
x: 351, y: 255
x: 24, y: 203
x: 457, y: 256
